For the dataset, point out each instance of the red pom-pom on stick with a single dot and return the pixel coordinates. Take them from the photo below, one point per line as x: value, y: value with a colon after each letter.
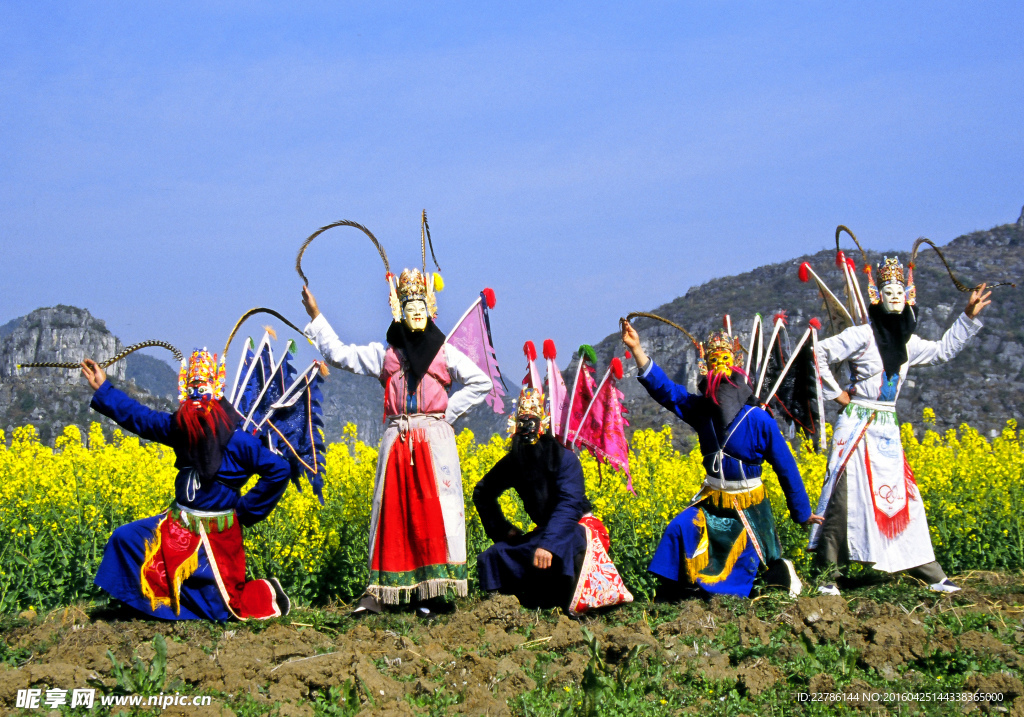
x: 815, y: 324
x: 805, y: 272
x: 629, y: 355
x: 616, y: 368
x: 840, y: 259
x: 850, y: 263
x: 549, y: 349
x: 488, y: 297
x: 781, y: 316
x: 530, y: 350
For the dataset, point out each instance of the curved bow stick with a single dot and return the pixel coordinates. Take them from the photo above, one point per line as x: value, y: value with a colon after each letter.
x: 346, y: 223
x: 246, y: 316
x: 863, y: 254
x: 424, y: 241
x: 131, y: 349
x: 644, y: 314
x: 956, y: 282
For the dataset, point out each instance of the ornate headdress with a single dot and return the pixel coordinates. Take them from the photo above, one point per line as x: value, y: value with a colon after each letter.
x: 531, y: 404
x: 201, y: 377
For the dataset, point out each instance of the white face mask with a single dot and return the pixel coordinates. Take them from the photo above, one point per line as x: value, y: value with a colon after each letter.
x: 894, y: 298
x: 414, y: 315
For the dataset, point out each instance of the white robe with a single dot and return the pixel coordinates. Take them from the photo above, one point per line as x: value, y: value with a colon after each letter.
x: 879, y: 489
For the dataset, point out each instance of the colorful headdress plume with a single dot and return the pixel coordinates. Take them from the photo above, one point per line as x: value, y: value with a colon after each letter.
x: 201, y: 377
x: 531, y: 404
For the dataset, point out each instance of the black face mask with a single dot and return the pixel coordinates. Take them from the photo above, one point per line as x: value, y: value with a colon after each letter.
x: 528, y: 429
x: 892, y: 331
x: 419, y: 347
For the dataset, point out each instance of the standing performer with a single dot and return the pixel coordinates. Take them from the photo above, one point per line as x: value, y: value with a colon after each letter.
x: 188, y: 563
x: 873, y: 512
x: 718, y: 542
x: 418, y: 524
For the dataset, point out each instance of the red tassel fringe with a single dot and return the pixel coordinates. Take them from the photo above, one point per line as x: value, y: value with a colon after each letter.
x: 890, y: 526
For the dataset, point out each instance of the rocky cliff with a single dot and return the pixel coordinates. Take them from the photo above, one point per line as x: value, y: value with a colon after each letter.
x: 51, y: 399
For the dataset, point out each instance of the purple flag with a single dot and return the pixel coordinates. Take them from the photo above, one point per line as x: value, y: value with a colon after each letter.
x: 472, y: 336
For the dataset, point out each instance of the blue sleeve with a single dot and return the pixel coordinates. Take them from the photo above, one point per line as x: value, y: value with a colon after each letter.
x: 273, y: 471
x: 131, y: 415
x: 567, y: 513
x: 780, y: 458
x: 669, y: 394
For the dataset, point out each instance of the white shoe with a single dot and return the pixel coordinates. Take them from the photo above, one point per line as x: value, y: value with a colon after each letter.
x: 946, y: 586
x: 795, y: 585
x: 829, y: 589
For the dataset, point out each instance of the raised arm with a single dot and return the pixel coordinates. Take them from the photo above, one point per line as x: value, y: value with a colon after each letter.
x: 124, y: 410
x: 475, y: 383
x: 668, y: 393
x: 273, y: 471
x: 366, y: 360
x: 923, y: 352
x: 485, y: 497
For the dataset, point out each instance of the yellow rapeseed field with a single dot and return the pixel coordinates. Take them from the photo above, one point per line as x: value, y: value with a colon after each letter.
x: 58, y: 506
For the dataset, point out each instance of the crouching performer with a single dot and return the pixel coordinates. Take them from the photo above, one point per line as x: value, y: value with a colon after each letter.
x: 564, y: 562
x: 188, y: 563
x: 719, y: 541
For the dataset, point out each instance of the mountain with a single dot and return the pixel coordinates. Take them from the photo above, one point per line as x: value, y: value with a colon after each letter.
x: 51, y: 399
x: 983, y: 386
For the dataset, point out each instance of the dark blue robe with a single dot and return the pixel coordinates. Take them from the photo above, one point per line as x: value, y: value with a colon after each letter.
x: 753, y: 438
x: 243, y: 456
x: 556, y: 510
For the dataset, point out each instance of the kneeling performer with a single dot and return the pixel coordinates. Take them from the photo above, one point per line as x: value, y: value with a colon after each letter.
x: 564, y: 562
x: 188, y: 562
x: 719, y: 541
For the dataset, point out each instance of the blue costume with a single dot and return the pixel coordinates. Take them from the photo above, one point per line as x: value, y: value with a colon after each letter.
x: 189, y: 562
x: 553, y: 494
x: 718, y: 542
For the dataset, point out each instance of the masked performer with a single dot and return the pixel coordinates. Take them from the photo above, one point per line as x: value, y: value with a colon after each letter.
x: 564, y: 561
x: 871, y: 505
x: 189, y: 562
x: 719, y: 541
x: 418, y: 524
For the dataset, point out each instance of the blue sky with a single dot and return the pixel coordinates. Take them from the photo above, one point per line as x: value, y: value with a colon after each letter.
x: 160, y: 166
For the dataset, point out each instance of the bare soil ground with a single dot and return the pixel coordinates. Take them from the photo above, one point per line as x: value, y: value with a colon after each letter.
x: 493, y: 657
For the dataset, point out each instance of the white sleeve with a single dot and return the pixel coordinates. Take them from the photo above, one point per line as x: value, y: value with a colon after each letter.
x: 921, y: 351
x: 475, y: 383
x: 365, y: 360
x: 833, y: 350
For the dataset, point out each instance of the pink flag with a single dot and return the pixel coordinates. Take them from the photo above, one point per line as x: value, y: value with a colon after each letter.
x: 558, y: 397
x: 472, y: 336
x: 583, y: 389
x: 604, y: 428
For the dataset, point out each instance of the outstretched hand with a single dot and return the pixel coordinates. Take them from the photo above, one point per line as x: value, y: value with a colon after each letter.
x: 631, y: 340
x: 309, y: 303
x: 813, y: 520
x: 95, y: 375
x: 977, y: 301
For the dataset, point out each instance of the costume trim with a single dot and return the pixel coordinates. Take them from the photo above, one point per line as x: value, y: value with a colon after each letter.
x: 730, y: 561
x: 701, y: 556
x: 889, y: 526
x: 599, y: 584
x: 152, y: 548
x: 741, y: 500
x: 181, y: 574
